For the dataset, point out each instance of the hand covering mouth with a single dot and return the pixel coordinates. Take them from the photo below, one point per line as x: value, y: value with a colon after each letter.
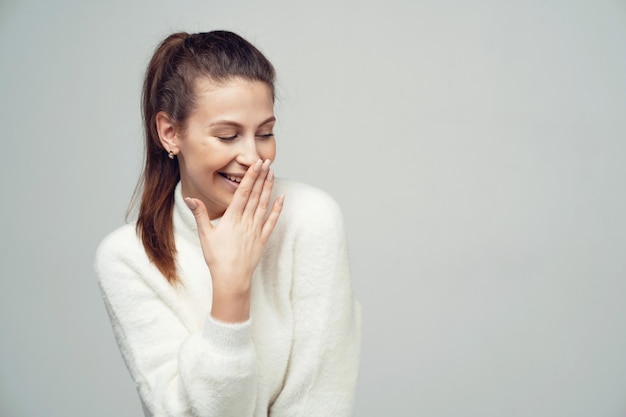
x: 231, y: 177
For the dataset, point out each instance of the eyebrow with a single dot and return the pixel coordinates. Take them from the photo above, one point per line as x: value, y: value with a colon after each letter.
x: 232, y: 123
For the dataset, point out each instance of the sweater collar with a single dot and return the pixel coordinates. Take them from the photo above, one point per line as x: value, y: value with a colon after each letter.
x: 184, y: 220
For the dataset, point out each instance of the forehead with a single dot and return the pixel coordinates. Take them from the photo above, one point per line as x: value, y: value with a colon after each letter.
x: 236, y: 98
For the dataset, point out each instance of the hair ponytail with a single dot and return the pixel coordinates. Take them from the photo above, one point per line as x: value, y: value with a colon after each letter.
x: 160, y: 175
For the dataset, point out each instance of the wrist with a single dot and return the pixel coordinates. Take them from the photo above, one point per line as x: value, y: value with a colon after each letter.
x: 230, y: 306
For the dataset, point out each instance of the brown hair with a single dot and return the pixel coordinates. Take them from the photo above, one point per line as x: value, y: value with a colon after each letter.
x: 169, y: 87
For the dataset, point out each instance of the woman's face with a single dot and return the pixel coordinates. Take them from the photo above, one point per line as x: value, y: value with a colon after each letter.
x: 230, y: 129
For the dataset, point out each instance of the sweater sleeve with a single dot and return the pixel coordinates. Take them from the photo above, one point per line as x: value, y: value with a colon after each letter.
x: 322, y: 372
x: 178, y: 371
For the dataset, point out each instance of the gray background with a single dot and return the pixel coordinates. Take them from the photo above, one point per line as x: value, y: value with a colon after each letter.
x: 477, y: 150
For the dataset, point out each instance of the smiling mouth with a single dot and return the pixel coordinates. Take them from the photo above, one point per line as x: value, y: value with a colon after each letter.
x: 236, y: 180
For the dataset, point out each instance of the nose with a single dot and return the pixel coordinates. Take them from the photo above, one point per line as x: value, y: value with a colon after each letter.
x: 248, y: 153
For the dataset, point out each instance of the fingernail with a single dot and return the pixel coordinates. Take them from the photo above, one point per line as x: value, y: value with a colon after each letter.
x: 281, y: 199
x: 190, y: 203
x: 266, y: 164
x: 257, y: 166
x: 270, y: 175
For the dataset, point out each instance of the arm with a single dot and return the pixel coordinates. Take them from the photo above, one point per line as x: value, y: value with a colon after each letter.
x: 323, y: 368
x: 178, y: 371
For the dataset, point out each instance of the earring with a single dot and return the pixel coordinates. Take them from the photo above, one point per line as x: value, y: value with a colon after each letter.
x: 170, y: 155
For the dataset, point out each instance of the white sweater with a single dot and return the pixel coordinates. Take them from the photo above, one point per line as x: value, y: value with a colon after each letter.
x: 298, y: 353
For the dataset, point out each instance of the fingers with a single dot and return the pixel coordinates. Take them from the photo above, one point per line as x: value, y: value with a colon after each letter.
x: 257, y: 189
x: 272, y: 218
x: 240, y: 199
x: 198, y: 209
x: 248, y: 194
x: 264, y: 198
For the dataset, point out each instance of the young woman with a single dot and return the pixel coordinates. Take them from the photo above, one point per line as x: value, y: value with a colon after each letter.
x: 231, y: 294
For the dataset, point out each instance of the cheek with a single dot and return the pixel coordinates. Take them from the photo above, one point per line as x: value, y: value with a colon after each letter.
x: 204, y: 170
x: 214, y: 158
x: 268, y: 150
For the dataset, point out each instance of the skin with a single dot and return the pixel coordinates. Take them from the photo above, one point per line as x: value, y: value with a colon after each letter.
x: 225, y: 149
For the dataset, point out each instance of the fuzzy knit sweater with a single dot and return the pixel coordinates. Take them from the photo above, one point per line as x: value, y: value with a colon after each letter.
x: 298, y: 353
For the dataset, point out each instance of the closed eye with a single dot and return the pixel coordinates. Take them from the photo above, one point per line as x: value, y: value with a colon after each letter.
x: 227, y: 138
x: 265, y: 136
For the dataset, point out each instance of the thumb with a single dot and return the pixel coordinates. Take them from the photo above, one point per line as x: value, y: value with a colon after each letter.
x: 199, y: 211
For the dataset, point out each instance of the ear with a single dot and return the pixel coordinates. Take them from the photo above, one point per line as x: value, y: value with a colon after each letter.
x: 167, y: 132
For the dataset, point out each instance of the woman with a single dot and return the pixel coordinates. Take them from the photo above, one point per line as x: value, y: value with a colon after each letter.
x: 224, y: 301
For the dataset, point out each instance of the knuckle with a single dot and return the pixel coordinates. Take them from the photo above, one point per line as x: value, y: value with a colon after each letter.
x: 245, y: 190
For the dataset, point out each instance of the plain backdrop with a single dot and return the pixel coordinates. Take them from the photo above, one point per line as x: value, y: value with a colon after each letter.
x: 477, y: 149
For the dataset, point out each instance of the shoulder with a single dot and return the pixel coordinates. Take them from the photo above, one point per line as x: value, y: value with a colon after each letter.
x: 121, y: 240
x: 308, y: 209
x: 304, y: 201
x: 120, y: 246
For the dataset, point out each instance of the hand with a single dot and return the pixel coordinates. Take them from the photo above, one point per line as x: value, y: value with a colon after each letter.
x: 233, y: 248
